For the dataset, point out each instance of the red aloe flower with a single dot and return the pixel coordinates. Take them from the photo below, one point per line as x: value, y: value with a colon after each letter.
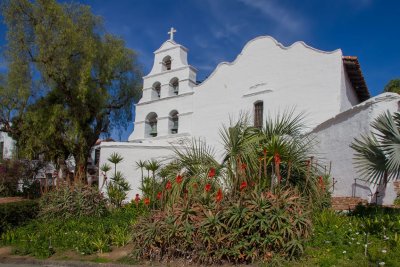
x: 211, y: 173
x: 137, y: 198
x: 178, y: 179
x: 265, y: 151
x: 168, y: 185
x: 243, y: 185
x: 146, y: 201
x: 207, y: 187
x: 159, y: 195
x: 321, y: 183
x: 277, y: 159
x: 243, y: 166
x: 195, y: 185
x: 219, y: 195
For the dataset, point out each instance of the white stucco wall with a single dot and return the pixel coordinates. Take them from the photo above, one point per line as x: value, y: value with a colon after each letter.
x: 132, y: 153
x: 335, y: 136
x: 9, y: 145
x: 297, y: 77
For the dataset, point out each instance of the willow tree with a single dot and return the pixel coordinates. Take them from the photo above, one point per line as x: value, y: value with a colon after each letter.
x: 68, y: 80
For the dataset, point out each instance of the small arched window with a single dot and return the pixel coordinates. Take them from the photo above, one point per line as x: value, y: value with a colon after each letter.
x: 151, y: 125
x: 156, y: 90
x: 174, y: 86
x: 258, y: 114
x: 167, y: 63
x: 173, y: 122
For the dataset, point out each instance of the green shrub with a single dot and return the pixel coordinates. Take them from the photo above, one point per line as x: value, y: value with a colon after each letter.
x: 85, y: 235
x: 117, y: 189
x: 368, y: 236
x: 256, y: 226
x: 17, y: 213
x: 67, y: 202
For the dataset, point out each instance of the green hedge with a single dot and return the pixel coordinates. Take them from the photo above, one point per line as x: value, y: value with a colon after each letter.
x: 17, y: 213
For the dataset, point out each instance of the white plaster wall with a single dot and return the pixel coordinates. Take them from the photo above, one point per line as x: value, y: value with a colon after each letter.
x: 9, y: 145
x: 336, y: 135
x: 294, y: 77
x: 348, y: 94
x: 132, y: 153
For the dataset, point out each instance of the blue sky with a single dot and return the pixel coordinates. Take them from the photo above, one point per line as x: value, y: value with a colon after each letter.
x: 217, y: 30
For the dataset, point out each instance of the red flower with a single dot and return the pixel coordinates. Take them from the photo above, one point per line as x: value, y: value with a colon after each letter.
x: 265, y: 151
x: 168, y: 185
x: 137, y: 198
x: 277, y: 159
x: 321, y: 183
x: 195, y: 185
x: 211, y: 173
x: 207, y: 187
x: 159, y: 195
x: 146, y: 201
x: 219, y: 195
x: 243, y: 166
x: 243, y: 185
x: 178, y: 179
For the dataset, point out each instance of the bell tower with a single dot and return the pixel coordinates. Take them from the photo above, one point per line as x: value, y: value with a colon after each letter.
x: 165, y: 109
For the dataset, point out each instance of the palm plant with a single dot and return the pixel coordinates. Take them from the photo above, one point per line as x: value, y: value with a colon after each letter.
x: 140, y: 165
x: 240, y: 142
x: 115, y: 158
x: 377, y: 154
x: 105, y: 168
x: 153, y: 166
x: 286, y: 150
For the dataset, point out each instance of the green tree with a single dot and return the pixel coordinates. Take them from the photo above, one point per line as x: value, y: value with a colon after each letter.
x: 68, y: 81
x: 377, y: 155
x: 393, y: 86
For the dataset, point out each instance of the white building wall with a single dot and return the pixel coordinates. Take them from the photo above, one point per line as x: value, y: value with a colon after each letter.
x: 132, y: 153
x: 336, y: 135
x: 348, y: 94
x: 297, y: 77
x: 9, y: 145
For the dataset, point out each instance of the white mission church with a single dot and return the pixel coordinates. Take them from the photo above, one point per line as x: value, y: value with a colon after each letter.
x: 265, y: 78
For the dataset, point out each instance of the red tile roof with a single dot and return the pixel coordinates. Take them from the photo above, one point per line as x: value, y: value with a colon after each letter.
x: 353, y: 69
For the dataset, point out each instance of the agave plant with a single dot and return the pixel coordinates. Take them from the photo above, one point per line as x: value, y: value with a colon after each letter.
x: 377, y: 154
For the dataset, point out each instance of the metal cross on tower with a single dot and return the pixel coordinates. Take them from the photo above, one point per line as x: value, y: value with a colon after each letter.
x: 171, y: 33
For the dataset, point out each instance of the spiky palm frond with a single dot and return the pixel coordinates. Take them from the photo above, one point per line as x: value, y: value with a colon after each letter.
x: 105, y: 167
x: 239, y: 141
x: 369, y: 159
x: 195, y: 157
x: 115, y: 158
x: 388, y: 133
x: 285, y: 123
x: 377, y: 155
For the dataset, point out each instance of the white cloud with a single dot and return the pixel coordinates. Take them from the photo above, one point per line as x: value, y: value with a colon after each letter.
x: 284, y: 17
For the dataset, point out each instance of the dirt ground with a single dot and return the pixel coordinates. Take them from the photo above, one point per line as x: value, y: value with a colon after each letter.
x: 10, y: 199
x: 118, y: 257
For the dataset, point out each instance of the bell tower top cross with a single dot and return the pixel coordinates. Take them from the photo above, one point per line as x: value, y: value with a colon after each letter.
x: 171, y: 33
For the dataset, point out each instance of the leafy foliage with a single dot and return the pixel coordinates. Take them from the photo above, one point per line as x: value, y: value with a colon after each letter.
x: 72, y: 202
x: 86, y: 234
x: 84, y: 84
x: 393, y: 86
x: 117, y: 189
x: 377, y: 155
x: 17, y: 213
x: 368, y: 236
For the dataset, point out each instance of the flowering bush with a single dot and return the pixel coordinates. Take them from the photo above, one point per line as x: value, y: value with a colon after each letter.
x: 256, y: 226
